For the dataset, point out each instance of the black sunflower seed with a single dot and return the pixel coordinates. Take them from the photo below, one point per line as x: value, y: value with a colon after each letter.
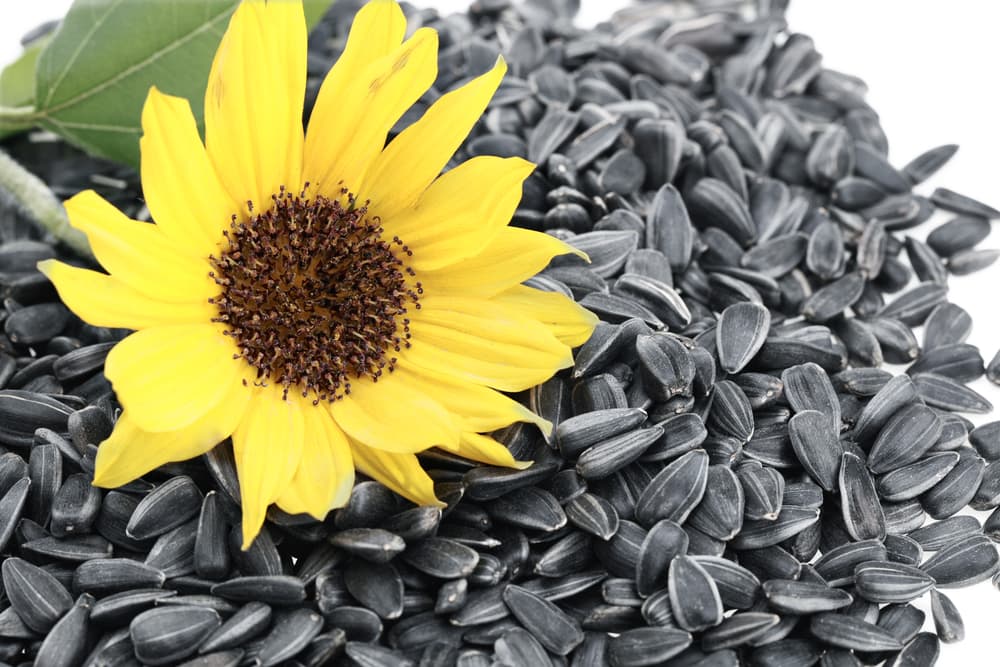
x: 925, y: 165
x: 675, y: 491
x: 909, y: 481
x: 957, y: 488
x: 646, y: 646
x: 593, y: 514
x: 816, y: 446
x: 39, y: 598
x: 272, y: 589
x: 66, y: 644
x: 741, y: 331
x: 837, y: 565
x: 890, y: 582
x: 947, y: 621
x: 956, y: 202
x: 801, y: 597
x: 168, y: 634
x: 847, y: 632
x: 968, y: 561
x: 964, y: 262
x: 555, y: 630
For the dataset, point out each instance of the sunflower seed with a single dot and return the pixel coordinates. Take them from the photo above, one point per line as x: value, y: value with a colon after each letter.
x: 786, y: 652
x: 552, y: 130
x: 273, y: 589
x: 546, y: 622
x: 731, y: 414
x: 45, y: 473
x: 831, y: 157
x: 851, y: 633
x: 763, y: 488
x: 739, y: 629
x: 964, y: 262
x: 66, y: 644
x: 890, y: 582
x: 169, y: 634
x: 528, y: 507
x: 800, y: 597
x: 646, y: 646
x: 36, y: 324
x: 291, y: 633
x: 37, y: 596
x: 374, y: 544
x: 120, y: 608
x: 953, y: 201
x: 103, y: 576
x: 958, y: 361
x: 837, y: 565
x: 675, y: 491
x: 593, y: 514
x: 604, y: 458
x: 929, y: 162
x: 968, y: 561
x: 947, y: 621
x: 816, y: 447
x: 911, y: 480
x: 377, y: 586
x: 166, y: 507
x: 668, y: 227
x: 913, y: 306
x: 957, y: 488
x: 860, y: 507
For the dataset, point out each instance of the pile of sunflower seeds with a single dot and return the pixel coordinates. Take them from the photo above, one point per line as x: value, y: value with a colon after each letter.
x: 734, y: 477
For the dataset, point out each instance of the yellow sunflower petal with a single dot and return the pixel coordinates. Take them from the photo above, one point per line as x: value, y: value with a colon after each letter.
x: 484, y: 449
x: 568, y: 321
x: 478, y: 407
x: 461, y: 212
x: 392, y: 416
x: 130, y: 452
x: 267, y: 446
x: 139, y: 254
x: 253, y: 102
x: 167, y: 377
x: 484, y: 342
x: 347, y: 133
x: 415, y: 158
x: 182, y: 190
x: 104, y: 301
x: 325, y: 474
x: 377, y: 30
x: 511, y: 258
x: 401, y: 473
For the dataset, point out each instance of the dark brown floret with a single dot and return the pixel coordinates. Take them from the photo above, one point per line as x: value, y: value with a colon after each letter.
x: 313, y: 295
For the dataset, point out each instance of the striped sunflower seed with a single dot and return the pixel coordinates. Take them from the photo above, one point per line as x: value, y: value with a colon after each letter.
x: 911, y: 480
x: 741, y: 331
x: 890, y: 582
x: 963, y: 563
x: 816, y: 447
x: 801, y: 597
x: 947, y: 621
x: 640, y: 647
x: 553, y: 629
x: 166, y: 507
x: 39, y: 599
x: 675, y: 491
x: 738, y: 630
x: 851, y: 633
x: 862, y: 514
x: 169, y: 634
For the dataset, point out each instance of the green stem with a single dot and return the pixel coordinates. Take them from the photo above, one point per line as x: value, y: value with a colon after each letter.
x: 13, y: 119
x: 37, y: 201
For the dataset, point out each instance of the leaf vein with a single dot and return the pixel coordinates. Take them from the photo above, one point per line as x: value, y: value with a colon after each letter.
x: 79, y: 49
x: 153, y: 57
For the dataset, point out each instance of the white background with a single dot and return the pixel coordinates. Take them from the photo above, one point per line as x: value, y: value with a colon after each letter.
x: 931, y: 67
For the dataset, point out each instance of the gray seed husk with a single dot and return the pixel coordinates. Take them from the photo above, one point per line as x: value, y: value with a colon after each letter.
x: 851, y: 633
x: 800, y: 597
x: 890, y: 582
x: 968, y: 561
x: 947, y: 620
x: 39, y: 598
x: 168, y: 634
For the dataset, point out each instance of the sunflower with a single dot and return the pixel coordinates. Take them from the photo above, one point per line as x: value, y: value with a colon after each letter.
x: 331, y: 302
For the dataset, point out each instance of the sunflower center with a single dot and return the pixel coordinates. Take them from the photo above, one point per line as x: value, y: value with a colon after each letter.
x: 313, y: 294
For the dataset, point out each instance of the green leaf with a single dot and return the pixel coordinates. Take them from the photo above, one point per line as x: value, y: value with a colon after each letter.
x: 17, y: 81
x: 93, y: 77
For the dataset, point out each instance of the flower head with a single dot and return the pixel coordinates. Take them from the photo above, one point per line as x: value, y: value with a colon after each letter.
x: 331, y: 302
